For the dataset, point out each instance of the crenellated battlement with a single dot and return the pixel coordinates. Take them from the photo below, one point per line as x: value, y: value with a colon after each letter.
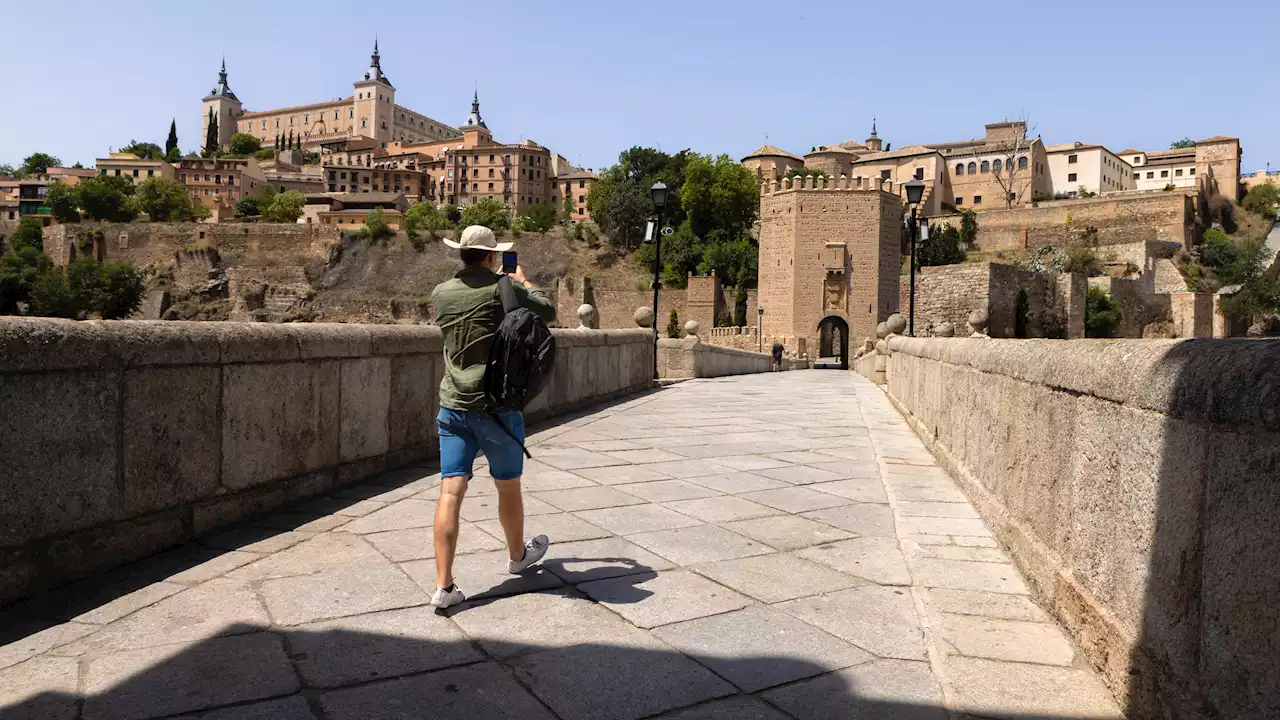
x: 844, y: 183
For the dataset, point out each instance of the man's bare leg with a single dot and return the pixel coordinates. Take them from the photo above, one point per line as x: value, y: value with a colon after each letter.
x: 449, y: 504
x: 511, y: 515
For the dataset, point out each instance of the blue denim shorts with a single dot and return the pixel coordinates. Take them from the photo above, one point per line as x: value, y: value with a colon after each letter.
x: 464, y: 434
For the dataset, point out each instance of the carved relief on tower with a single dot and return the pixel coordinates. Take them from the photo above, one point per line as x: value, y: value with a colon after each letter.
x: 833, y: 291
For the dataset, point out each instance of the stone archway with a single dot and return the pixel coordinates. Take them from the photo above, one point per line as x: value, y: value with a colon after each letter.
x: 833, y: 340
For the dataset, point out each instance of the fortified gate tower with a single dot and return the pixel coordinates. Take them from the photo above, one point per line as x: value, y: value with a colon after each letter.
x: 830, y: 257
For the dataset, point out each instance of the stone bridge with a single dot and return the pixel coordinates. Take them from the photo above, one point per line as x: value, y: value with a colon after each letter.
x: 758, y: 547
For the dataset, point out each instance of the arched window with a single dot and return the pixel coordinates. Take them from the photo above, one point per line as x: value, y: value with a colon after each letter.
x: 986, y: 166
x: 959, y: 168
x: 1022, y: 163
x: 973, y: 168
x: 997, y: 166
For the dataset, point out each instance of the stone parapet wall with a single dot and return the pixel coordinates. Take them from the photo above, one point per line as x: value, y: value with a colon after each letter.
x: 742, y: 338
x: 146, y: 243
x: 121, y: 439
x: 1135, y: 483
x: 1164, y: 216
x: 691, y: 358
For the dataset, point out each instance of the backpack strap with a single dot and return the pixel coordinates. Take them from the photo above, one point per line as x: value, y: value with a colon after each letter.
x: 508, y: 294
x: 498, y: 419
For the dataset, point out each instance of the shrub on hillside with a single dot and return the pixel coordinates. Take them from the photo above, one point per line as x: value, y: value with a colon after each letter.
x: 1101, y: 314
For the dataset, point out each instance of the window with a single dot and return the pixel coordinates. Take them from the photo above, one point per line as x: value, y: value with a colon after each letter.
x: 997, y: 166
x: 1164, y: 173
x: 581, y: 198
x: 475, y: 172
x: 973, y: 168
x: 986, y: 168
x: 581, y: 184
x: 1137, y: 160
x: 884, y: 174
x: 1135, y: 175
x: 490, y: 187
x: 919, y: 173
x: 959, y: 168
x: 1022, y: 163
x: 184, y: 176
x: 490, y: 158
x: 1071, y: 177
x: 1178, y: 172
x: 1071, y: 159
x: 977, y: 199
x: 1150, y: 175
x: 217, y: 179
x: 490, y: 172
x: 475, y: 186
x: 1192, y: 171
x: 231, y: 180
x: 580, y: 211
x: 118, y: 173
x: 959, y: 201
x: 135, y: 172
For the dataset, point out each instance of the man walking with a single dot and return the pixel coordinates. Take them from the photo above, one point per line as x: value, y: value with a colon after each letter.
x: 469, y: 311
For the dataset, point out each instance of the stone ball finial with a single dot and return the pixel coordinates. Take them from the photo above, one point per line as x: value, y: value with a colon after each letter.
x: 944, y: 329
x: 896, y: 323
x: 882, y: 330
x: 643, y: 316
x: 691, y: 328
x: 586, y: 315
x: 978, y: 320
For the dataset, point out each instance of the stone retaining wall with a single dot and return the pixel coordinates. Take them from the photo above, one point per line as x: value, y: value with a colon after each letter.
x: 692, y: 358
x: 1137, y: 484
x: 120, y: 439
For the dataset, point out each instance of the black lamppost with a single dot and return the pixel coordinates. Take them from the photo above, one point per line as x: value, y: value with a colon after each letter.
x: 659, y: 194
x: 915, y: 191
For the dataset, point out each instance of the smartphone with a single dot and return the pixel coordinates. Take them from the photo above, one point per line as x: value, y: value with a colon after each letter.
x: 509, y: 263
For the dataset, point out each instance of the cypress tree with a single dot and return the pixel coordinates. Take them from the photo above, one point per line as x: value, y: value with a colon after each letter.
x: 172, y: 143
x: 211, y: 136
x: 289, y: 146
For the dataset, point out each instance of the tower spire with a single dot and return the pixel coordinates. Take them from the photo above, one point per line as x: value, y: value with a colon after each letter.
x: 873, y: 126
x: 222, y: 89
x: 474, y: 120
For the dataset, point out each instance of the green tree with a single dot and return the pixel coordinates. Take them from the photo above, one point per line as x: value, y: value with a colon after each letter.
x: 568, y: 208
x: 673, y: 324
x: 29, y: 234
x: 285, y: 207
x: 1234, y: 262
x: 942, y: 247
x: 538, y: 218
x: 171, y: 142
x: 242, y: 143
x: 211, y: 135
x: 452, y: 214
x: 264, y: 154
x: 1101, y: 314
x: 248, y: 206
x: 489, y: 213
x: 144, y: 150
x: 1183, y: 143
x: 64, y: 202
x: 106, y: 198
x: 968, y: 228
x: 165, y: 200
x: 7, y: 170
x: 112, y: 291
x: 719, y: 194
x: 120, y: 289
x: 20, y: 267
x: 1262, y: 199
x: 38, y: 164
x: 425, y: 216
x: 376, y: 227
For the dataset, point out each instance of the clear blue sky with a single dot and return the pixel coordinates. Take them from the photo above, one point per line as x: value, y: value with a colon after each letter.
x: 589, y: 79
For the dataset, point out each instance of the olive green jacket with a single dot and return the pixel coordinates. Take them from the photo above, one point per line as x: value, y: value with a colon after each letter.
x: 469, y: 312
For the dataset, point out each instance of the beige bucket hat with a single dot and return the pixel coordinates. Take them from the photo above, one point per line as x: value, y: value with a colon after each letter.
x: 479, y: 237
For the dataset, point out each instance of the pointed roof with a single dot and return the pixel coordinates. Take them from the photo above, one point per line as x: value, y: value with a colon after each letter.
x: 375, y: 67
x: 474, y: 120
x: 767, y: 150
x: 830, y: 149
x: 222, y: 89
x: 873, y: 128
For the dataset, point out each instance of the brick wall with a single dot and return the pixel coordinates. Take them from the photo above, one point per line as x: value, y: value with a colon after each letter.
x: 945, y: 294
x: 1164, y: 216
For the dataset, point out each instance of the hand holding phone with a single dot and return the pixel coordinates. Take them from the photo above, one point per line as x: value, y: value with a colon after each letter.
x: 509, y: 263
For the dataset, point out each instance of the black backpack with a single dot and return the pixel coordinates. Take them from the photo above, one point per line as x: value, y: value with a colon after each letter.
x: 520, y: 358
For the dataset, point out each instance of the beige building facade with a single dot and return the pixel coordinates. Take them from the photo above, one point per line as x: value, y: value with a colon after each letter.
x: 574, y: 185
x: 371, y: 111
x: 1077, y: 166
x: 218, y: 183
x: 123, y: 164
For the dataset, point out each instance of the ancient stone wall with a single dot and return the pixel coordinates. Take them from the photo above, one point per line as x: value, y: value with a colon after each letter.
x: 1191, y: 314
x: 1165, y: 217
x: 146, y: 243
x: 1133, y: 300
x: 1133, y: 483
x: 690, y: 357
x: 137, y: 436
x: 616, y: 308
x: 946, y: 293
x: 1051, y: 304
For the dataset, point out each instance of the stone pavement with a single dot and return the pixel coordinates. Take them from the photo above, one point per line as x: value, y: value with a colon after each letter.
x: 758, y: 547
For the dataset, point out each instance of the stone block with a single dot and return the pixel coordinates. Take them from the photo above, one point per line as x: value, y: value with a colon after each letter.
x: 56, y: 481
x: 171, y: 442
x: 405, y: 340
x: 582, y: 681
x: 503, y: 629
x: 787, y: 532
x: 154, y: 681
x: 579, y: 562
x: 963, y: 575
x: 43, y: 688
x: 1012, y: 691
x: 871, y: 558
x: 777, y: 577
x: 621, y: 474
x: 278, y: 420
x: 358, y: 470
x: 379, y: 645
x: 722, y: 508
x: 588, y: 498
x: 294, y: 707
x: 559, y: 527
x: 484, y: 574
x: 331, y: 340
x: 476, y: 691
x: 366, y: 397
x: 1008, y: 640
x: 637, y: 519
x: 737, y: 708
x: 257, y: 343
x: 703, y: 543
x: 736, y: 483
x: 796, y: 499
x: 652, y: 599
x: 867, y: 519
x: 760, y: 647
x: 414, y: 401
x: 78, y: 554
x: 340, y: 591
x: 879, y: 690
x: 880, y: 620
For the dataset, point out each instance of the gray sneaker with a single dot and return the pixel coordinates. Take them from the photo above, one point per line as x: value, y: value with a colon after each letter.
x: 533, y: 552
x: 447, y: 598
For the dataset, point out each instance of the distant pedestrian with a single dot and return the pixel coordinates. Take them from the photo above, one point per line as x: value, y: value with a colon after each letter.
x: 777, y: 355
x: 469, y: 310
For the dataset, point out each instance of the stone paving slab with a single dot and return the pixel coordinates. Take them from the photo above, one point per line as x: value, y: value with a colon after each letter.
x: 786, y: 537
